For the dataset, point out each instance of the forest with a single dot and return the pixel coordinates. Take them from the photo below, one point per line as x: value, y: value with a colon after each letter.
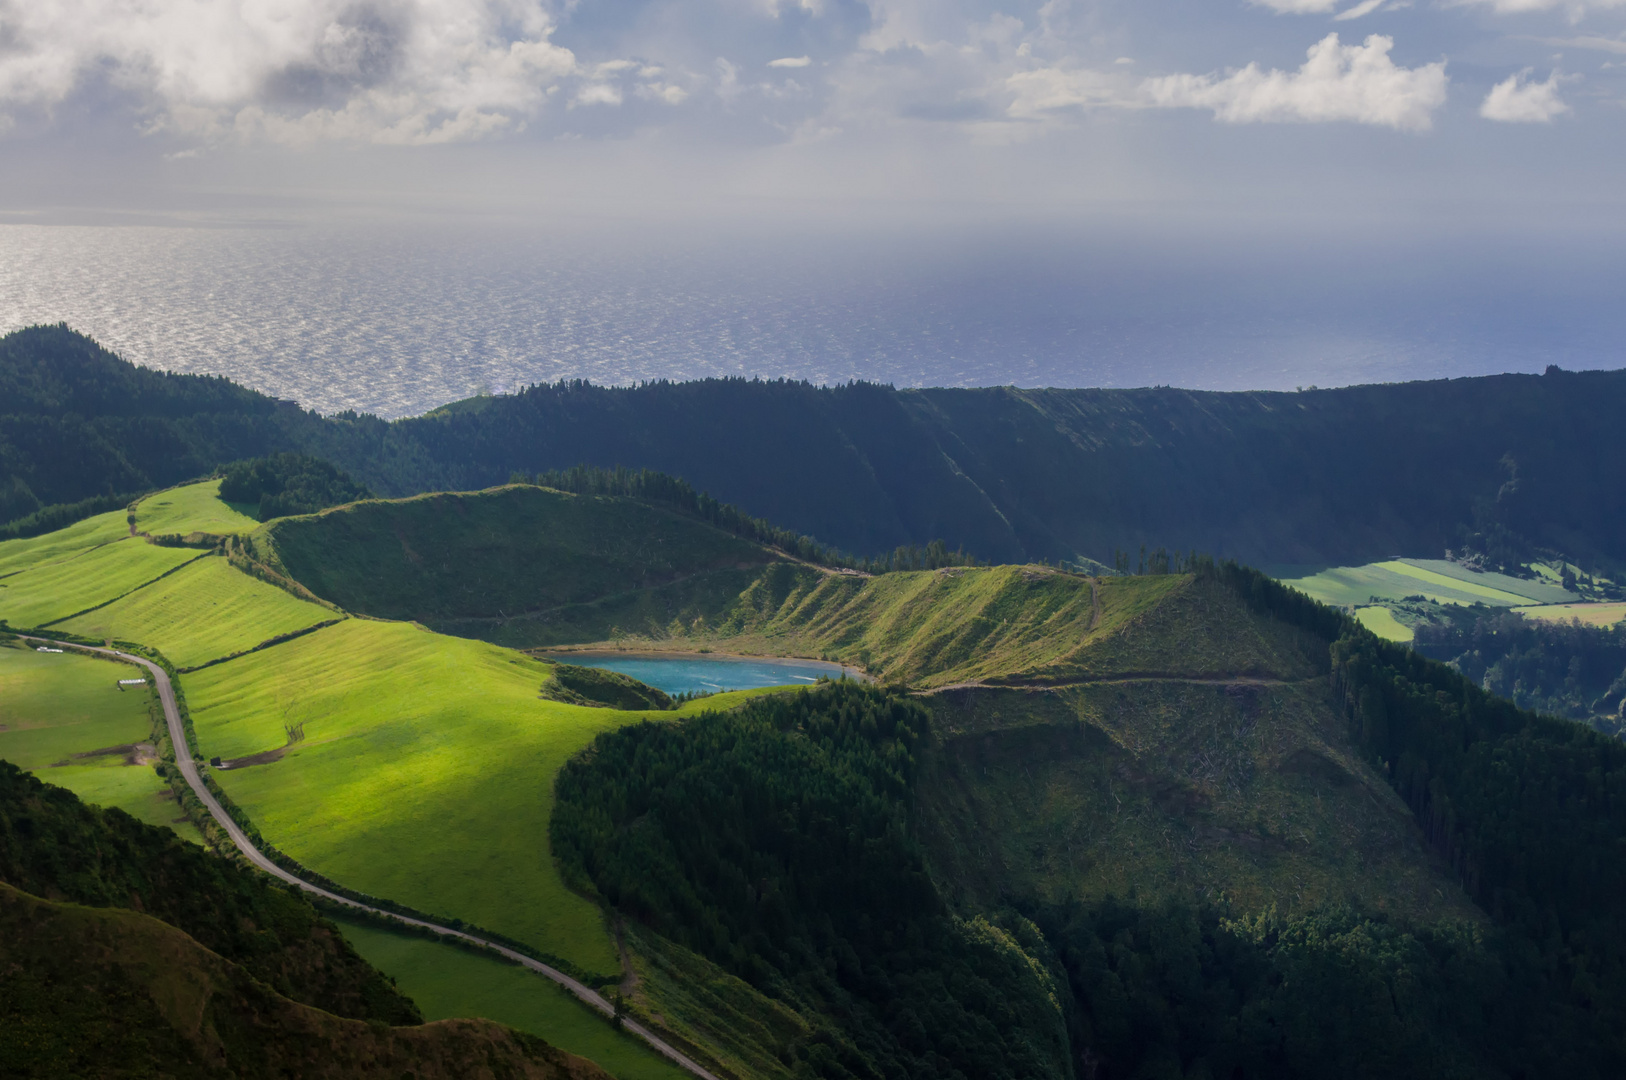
x: 1564, y: 669
x: 1515, y: 463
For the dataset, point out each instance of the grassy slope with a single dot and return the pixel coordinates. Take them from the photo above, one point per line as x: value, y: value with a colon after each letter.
x: 189, y: 509
x: 94, y: 991
x: 1247, y: 788
x: 53, y: 706
x: 494, y: 553
x: 447, y: 983
x: 65, y: 543
x: 1003, y: 624
x: 202, y: 612
x: 425, y: 774
x: 57, y: 590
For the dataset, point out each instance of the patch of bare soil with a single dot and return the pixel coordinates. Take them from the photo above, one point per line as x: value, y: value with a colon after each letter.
x: 264, y: 757
x: 133, y: 754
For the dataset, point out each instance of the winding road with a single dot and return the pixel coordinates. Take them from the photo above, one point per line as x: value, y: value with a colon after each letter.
x: 189, y: 769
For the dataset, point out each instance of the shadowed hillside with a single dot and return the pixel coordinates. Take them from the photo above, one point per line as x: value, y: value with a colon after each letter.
x: 1329, y: 476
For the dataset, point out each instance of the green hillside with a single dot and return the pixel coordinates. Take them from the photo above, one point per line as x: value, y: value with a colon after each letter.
x: 57, y: 590
x: 517, y: 552
x: 206, y: 611
x: 100, y: 992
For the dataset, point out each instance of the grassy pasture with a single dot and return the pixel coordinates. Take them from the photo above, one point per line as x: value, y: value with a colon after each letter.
x: 202, y: 612
x: 192, y: 508
x: 56, y: 705
x: 1382, y: 622
x: 448, y: 982
x: 1537, y: 591
x: 425, y: 774
x: 57, y: 590
x: 1354, y: 586
x: 76, y: 539
x: 1590, y: 614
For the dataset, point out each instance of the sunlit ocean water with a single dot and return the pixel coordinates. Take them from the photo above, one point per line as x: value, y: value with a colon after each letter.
x: 396, y: 319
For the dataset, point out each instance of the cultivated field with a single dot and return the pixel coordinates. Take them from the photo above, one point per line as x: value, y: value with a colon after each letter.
x: 448, y: 982
x: 57, y: 706
x: 189, y: 509
x: 202, y: 612
x: 425, y: 773
x: 57, y: 590
x: 1397, y: 579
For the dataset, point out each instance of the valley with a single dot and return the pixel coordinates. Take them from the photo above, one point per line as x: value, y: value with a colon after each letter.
x: 963, y: 865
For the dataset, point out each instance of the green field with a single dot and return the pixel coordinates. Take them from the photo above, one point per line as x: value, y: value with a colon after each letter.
x: 1590, y: 614
x: 1350, y: 586
x: 1382, y: 622
x: 1538, y: 590
x: 449, y: 982
x: 56, y: 705
x: 425, y: 774
x: 189, y: 509
x: 202, y: 612
x: 57, y: 590
x: 66, y: 543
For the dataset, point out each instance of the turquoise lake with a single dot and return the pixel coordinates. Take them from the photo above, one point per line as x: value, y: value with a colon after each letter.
x: 709, y: 674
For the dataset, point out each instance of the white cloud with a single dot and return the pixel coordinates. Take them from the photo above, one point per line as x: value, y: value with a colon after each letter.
x: 1515, y: 100
x: 1360, y: 10
x: 1602, y: 44
x: 1036, y: 93
x: 1298, y: 7
x: 791, y: 62
x: 298, y: 70
x: 1358, y: 83
x: 1574, y: 8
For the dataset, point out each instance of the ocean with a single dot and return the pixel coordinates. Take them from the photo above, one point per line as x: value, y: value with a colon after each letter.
x: 395, y: 318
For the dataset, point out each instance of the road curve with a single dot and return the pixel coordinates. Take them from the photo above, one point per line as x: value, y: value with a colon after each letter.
x: 189, y: 769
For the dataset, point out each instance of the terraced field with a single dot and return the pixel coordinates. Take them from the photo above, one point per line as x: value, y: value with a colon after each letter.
x: 207, y: 610
x: 193, y: 508
x: 17, y: 555
x: 55, y: 707
x: 424, y: 774
x: 56, y: 590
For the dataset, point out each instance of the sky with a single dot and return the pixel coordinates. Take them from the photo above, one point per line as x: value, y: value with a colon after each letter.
x: 1299, y: 116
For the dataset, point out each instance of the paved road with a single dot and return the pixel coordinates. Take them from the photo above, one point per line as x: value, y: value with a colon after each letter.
x: 189, y: 769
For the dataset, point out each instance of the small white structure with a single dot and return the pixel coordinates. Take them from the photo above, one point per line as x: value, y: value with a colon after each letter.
x: 132, y: 682
x: 44, y: 648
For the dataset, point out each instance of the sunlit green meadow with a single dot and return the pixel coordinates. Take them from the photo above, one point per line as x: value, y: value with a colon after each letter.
x: 202, y: 612
x: 57, y: 590
x: 450, y: 982
x: 425, y: 773
x: 1382, y: 622
x: 193, y: 508
x: 65, y: 543
x: 56, y: 705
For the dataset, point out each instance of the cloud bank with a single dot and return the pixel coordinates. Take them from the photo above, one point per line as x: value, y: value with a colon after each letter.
x: 1357, y: 83
x: 409, y: 71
